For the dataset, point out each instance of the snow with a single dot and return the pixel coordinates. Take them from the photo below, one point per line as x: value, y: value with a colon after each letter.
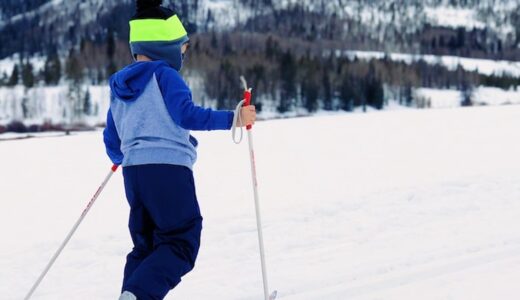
x: 7, y: 64
x: 495, y: 96
x: 52, y: 103
x: 482, y: 95
x: 450, y: 16
x: 481, y: 66
x: 225, y: 14
x: 389, y: 205
x: 12, y: 136
x: 437, y: 98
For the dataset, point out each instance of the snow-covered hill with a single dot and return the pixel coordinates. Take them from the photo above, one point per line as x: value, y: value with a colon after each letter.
x: 390, y: 205
x: 391, y: 25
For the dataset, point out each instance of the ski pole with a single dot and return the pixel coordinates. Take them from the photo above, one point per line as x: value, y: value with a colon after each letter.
x: 247, y: 102
x: 83, y: 214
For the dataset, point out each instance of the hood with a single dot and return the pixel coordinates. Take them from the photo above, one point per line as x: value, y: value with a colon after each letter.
x: 129, y: 83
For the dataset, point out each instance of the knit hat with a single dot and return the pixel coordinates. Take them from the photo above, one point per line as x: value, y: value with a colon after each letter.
x: 158, y: 33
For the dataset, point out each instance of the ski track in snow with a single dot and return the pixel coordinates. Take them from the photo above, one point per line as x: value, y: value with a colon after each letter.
x: 392, y: 205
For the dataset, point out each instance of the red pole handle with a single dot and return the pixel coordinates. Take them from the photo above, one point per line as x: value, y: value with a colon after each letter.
x: 247, y: 97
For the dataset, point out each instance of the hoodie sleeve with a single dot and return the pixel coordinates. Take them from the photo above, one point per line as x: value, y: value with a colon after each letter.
x: 112, y: 141
x: 180, y: 106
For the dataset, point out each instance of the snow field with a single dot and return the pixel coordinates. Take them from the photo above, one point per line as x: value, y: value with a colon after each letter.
x: 404, y: 204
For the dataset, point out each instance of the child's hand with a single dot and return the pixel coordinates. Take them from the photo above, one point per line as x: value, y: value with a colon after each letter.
x: 248, y: 114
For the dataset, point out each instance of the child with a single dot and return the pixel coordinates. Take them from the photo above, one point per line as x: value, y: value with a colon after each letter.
x: 148, y: 123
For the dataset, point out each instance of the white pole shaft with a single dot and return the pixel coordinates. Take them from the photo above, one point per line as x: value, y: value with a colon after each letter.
x: 69, y: 236
x: 258, y: 217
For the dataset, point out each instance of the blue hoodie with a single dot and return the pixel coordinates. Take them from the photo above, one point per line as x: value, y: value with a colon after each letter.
x: 151, y: 113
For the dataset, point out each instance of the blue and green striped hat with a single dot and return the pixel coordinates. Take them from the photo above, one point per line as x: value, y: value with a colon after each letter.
x: 158, y: 33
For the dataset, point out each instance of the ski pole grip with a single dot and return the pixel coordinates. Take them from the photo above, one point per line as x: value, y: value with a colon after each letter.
x: 114, y: 167
x: 247, y: 97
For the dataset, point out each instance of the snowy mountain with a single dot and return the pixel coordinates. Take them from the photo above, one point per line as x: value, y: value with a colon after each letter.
x: 367, y: 24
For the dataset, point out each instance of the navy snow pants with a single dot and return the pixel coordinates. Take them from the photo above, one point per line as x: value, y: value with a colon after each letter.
x: 165, y: 225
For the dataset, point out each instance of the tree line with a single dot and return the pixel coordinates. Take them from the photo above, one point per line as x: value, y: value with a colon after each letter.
x: 290, y: 73
x: 299, y: 74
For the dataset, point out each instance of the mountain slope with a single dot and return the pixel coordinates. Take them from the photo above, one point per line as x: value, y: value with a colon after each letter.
x: 375, y: 25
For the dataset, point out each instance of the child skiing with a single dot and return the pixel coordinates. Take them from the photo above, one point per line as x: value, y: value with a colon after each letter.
x: 151, y: 113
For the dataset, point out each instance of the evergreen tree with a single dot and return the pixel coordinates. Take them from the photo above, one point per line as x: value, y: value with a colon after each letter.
x: 73, y: 68
x: 214, y: 41
x: 25, y: 106
x: 75, y: 108
x: 3, y: 79
x: 327, y: 91
x: 111, y: 45
x: 14, y: 79
x: 111, y: 68
x: 74, y: 73
x: 111, y: 50
x: 467, y: 94
x: 52, y: 69
x: 347, y: 94
x: 375, y: 93
x: 100, y: 77
x: 226, y: 84
x: 228, y: 48
x: 288, y: 82
x: 87, y: 103
x: 271, y: 48
x: 310, y: 95
x: 408, y: 94
x: 28, y: 75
